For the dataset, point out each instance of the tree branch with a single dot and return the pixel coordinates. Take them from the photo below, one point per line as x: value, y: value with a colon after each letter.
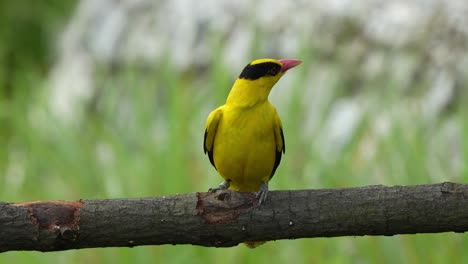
x: 227, y: 218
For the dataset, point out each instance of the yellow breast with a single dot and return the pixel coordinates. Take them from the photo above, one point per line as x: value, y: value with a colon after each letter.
x: 244, y: 148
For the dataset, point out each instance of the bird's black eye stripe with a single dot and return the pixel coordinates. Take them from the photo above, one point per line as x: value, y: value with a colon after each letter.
x: 253, y: 72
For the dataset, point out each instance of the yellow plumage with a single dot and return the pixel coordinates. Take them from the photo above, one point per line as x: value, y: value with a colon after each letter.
x: 244, y: 137
x: 245, y: 146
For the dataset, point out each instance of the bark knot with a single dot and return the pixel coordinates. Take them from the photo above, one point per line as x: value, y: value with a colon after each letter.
x: 60, y: 217
x: 224, y: 207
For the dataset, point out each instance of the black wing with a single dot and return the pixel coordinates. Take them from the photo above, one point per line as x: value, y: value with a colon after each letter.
x: 210, y: 153
x: 278, y: 155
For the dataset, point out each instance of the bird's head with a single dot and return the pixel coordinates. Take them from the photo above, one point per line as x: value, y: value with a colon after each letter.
x: 258, y: 78
x: 267, y: 71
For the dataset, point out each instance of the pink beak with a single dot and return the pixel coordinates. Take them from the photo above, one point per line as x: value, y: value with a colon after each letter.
x: 289, y: 64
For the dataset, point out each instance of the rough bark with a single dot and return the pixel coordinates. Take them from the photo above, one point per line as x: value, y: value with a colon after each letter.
x: 227, y: 218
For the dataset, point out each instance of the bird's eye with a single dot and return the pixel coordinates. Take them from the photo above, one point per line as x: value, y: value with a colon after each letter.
x: 273, y: 71
x: 253, y: 72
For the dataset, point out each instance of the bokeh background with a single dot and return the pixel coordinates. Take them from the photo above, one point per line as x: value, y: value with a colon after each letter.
x: 108, y: 99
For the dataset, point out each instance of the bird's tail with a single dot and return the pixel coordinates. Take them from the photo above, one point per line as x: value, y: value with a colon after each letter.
x: 254, y: 244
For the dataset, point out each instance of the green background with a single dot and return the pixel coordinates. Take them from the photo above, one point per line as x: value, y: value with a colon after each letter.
x: 155, y: 147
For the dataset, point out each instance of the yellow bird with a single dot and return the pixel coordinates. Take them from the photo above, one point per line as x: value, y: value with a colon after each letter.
x: 244, y: 137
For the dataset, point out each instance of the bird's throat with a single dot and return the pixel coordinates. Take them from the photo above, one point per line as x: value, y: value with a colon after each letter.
x: 246, y: 93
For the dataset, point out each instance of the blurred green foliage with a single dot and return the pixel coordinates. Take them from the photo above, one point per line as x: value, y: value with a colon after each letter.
x: 143, y: 137
x: 28, y: 30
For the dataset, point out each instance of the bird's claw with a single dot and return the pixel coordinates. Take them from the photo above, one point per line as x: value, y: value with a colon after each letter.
x: 262, y: 193
x: 222, y: 186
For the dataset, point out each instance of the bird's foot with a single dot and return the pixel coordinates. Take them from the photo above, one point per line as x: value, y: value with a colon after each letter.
x: 262, y: 193
x: 222, y: 186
